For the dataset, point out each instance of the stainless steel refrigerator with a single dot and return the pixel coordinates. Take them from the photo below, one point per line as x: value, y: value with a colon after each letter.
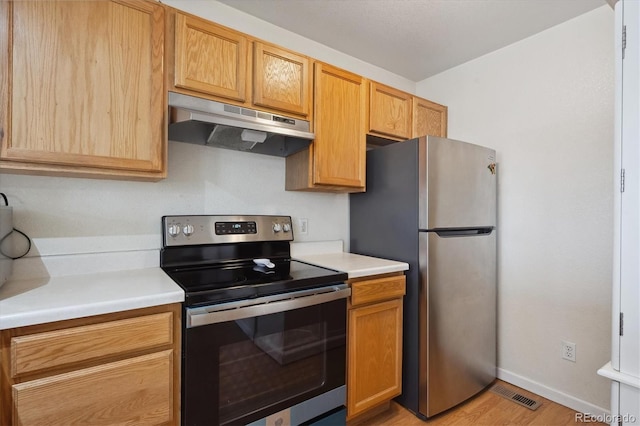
x: 431, y: 202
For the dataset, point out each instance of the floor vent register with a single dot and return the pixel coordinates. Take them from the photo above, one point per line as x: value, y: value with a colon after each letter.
x: 531, y: 404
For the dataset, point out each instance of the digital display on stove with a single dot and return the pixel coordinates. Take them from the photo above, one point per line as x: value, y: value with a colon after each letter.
x: 227, y: 228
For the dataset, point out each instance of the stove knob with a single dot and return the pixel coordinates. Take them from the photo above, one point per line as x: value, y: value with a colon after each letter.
x: 277, y: 227
x: 174, y: 230
x: 286, y: 227
x: 187, y: 230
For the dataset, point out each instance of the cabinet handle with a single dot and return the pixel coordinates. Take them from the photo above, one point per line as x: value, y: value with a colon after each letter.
x: 232, y: 311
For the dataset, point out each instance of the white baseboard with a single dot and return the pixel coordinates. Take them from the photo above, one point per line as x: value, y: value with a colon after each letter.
x: 552, y: 394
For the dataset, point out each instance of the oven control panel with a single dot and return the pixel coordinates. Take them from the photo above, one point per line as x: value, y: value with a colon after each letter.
x: 218, y: 229
x: 227, y: 228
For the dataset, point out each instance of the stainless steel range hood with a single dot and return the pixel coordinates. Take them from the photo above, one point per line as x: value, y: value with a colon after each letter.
x: 205, y: 122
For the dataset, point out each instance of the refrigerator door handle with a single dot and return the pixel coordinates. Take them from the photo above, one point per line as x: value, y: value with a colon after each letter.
x: 462, y: 232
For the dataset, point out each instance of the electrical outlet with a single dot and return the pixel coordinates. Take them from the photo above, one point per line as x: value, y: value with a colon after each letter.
x: 304, y: 226
x: 569, y: 351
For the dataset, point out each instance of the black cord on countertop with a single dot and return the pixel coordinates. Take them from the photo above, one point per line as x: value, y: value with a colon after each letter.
x: 6, y: 203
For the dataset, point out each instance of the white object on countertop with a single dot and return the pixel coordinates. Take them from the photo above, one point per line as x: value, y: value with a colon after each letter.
x: 264, y: 262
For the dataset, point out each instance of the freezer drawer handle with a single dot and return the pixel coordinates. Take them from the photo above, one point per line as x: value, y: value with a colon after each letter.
x: 463, y: 232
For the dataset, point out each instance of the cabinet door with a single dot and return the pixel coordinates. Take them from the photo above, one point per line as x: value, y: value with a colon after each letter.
x: 389, y: 111
x: 429, y: 118
x: 374, y: 355
x: 86, y: 84
x: 629, y: 410
x: 210, y: 59
x: 339, y: 150
x: 281, y: 79
x: 626, y: 297
x: 137, y: 390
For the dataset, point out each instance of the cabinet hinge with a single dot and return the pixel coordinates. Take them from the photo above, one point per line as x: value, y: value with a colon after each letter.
x: 621, y: 180
x: 621, y: 323
x: 624, y: 39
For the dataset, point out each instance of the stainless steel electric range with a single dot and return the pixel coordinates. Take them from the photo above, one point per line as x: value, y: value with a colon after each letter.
x: 264, y: 336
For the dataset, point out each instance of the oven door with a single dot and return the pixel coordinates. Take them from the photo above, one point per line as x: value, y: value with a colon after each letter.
x: 246, y: 360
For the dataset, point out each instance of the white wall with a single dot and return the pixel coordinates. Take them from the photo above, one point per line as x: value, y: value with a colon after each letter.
x: 546, y: 105
x: 202, y: 180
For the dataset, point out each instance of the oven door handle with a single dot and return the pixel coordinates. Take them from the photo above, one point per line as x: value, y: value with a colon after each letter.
x: 232, y: 311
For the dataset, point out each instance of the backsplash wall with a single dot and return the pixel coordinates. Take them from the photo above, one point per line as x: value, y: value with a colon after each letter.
x: 201, y: 180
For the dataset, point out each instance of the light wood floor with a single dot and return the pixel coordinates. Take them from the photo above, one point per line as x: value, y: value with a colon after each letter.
x: 487, y: 408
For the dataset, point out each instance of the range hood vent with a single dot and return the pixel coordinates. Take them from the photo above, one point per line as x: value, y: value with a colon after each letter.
x: 205, y: 122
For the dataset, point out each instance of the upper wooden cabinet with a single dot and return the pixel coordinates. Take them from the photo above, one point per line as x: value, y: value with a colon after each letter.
x: 216, y: 62
x: 82, y: 88
x: 429, y: 118
x: 396, y: 115
x: 210, y: 59
x: 335, y: 161
x: 281, y: 79
x: 389, y: 112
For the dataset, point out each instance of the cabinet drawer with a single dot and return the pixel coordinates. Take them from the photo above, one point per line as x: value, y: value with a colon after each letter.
x: 138, y: 388
x: 58, y: 348
x: 377, y: 289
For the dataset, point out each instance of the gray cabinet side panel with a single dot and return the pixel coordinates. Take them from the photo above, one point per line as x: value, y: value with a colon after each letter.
x: 384, y: 223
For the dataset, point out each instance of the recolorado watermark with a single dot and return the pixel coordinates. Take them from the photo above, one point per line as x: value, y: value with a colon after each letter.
x: 604, y: 418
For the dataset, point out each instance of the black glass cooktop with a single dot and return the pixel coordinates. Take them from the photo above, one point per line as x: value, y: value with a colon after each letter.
x: 208, y: 284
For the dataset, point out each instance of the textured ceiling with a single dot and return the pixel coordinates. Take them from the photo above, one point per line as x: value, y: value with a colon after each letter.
x: 415, y: 38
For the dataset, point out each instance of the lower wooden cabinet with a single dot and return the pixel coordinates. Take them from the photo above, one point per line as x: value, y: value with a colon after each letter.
x: 120, y: 368
x: 374, y: 345
x: 136, y: 389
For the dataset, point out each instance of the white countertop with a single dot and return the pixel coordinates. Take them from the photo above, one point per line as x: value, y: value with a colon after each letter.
x: 355, y: 265
x: 114, y: 281
x: 32, y: 301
